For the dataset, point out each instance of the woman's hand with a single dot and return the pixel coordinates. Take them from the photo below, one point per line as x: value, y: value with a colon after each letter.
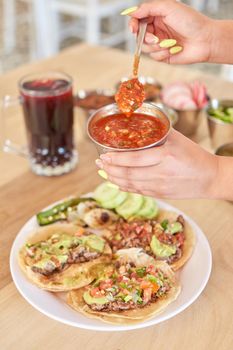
x: 169, y: 19
x: 178, y: 169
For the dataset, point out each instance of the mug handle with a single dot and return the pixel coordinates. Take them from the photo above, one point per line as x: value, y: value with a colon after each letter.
x: 7, y: 145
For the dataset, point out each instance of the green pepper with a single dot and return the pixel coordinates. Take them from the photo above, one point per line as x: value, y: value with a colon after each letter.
x: 58, y: 212
x: 223, y: 113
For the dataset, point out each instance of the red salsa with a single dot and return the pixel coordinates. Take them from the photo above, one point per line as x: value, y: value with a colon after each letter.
x: 130, y: 96
x: 119, y: 131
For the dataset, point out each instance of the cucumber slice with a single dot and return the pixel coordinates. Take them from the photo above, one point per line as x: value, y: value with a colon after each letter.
x: 106, y: 192
x: 130, y: 206
x: 154, y: 212
x: 149, y: 208
x: 229, y: 110
x: 115, y: 202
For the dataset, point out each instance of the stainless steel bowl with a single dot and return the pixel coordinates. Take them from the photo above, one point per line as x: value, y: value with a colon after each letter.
x: 225, y: 150
x: 170, y: 112
x: 146, y: 108
x: 188, y: 121
x: 83, y: 94
x: 220, y: 132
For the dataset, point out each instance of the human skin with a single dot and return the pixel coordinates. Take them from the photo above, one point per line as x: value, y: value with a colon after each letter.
x: 203, y: 39
x: 179, y: 168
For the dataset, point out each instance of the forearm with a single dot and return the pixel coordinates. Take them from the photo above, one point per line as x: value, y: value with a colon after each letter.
x: 221, y: 50
x: 223, y: 186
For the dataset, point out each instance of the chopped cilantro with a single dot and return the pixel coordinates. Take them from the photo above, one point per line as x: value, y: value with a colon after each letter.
x: 114, y: 275
x: 164, y: 224
x: 139, y: 301
x: 141, y: 271
x: 136, y: 296
x: 154, y: 279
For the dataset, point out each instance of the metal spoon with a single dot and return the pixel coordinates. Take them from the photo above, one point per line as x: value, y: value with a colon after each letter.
x: 131, y: 93
x: 140, y: 40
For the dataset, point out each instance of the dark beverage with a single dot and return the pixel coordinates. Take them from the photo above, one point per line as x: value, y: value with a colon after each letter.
x: 48, y: 114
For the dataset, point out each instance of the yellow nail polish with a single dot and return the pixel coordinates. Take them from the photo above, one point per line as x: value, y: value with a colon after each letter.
x: 167, y: 43
x: 113, y: 185
x: 103, y: 174
x: 129, y: 10
x: 175, y: 49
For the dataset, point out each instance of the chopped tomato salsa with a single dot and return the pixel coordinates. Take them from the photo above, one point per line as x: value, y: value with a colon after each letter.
x: 130, y: 96
x: 119, y: 131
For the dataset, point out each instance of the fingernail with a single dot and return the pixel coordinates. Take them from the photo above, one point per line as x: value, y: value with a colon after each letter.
x: 167, y: 43
x: 175, y: 49
x: 113, y: 185
x: 103, y: 174
x: 99, y: 163
x: 152, y: 39
x: 129, y: 10
x: 105, y: 158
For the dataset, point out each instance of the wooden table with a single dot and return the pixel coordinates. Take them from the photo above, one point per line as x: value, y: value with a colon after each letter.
x: 205, y: 324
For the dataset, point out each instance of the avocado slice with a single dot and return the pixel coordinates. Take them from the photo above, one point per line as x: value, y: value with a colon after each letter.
x: 116, y: 201
x: 44, y: 262
x: 64, y: 243
x: 174, y: 228
x: 161, y: 250
x: 94, y: 242
x: 130, y: 206
x: 62, y: 258
x: 91, y: 300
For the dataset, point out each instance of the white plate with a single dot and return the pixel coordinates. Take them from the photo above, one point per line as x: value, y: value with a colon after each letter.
x: 193, y: 277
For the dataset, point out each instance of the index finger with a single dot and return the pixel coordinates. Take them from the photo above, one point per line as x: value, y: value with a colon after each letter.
x: 134, y: 24
x: 146, y: 157
x: 158, y: 8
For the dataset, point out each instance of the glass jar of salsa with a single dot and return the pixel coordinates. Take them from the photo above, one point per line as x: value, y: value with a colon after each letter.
x: 111, y: 130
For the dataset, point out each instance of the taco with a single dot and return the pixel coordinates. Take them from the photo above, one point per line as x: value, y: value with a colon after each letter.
x: 168, y: 237
x: 133, y: 288
x: 62, y: 257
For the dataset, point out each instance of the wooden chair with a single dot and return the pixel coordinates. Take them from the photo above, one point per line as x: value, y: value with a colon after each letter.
x: 227, y: 72
x: 50, y: 31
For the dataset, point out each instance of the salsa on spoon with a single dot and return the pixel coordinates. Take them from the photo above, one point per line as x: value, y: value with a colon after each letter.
x: 131, y: 93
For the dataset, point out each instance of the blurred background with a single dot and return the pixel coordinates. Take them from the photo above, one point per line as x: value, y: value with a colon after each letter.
x: 36, y: 29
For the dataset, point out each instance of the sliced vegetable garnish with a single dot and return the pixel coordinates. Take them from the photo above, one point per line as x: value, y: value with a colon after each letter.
x: 58, y: 212
x: 224, y: 114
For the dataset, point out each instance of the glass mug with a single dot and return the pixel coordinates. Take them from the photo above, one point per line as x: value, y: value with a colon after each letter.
x: 47, y: 103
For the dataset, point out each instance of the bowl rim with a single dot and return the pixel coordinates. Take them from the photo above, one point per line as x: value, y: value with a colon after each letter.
x: 114, y: 149
x: 167, y: 110
x: 81, y: 94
